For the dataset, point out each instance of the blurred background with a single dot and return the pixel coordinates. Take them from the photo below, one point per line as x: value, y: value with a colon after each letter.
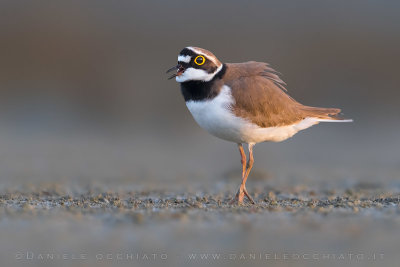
x: 83, y: 85
x: 84, y: 98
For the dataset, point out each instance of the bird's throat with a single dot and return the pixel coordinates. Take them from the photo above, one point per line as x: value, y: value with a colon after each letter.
x: 200, y: 90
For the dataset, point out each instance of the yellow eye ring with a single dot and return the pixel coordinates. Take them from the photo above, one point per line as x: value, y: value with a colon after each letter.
x: 203, y: 60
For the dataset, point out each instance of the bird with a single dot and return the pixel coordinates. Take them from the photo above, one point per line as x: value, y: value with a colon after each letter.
x: 244, y: 103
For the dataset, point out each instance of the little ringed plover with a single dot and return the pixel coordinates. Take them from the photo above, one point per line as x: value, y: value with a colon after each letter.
x: 245, y: 103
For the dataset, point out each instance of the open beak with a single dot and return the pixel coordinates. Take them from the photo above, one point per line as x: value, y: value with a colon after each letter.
x: 179, y: 70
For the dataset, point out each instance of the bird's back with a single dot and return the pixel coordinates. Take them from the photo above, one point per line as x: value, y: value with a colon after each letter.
x: 261, y: 97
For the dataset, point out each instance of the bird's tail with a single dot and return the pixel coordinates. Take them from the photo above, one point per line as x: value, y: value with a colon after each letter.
x: 325, y: 114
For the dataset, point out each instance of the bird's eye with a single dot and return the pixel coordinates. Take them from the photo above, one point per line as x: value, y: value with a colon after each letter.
x: 199, y: 60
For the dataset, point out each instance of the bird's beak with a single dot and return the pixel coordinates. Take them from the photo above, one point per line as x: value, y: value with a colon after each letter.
x: 179, y: 69
x: 173, y: 68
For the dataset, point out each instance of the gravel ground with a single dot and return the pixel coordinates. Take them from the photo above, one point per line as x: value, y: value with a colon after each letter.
x: 139, y: 201
x: 146, y: 205
x: 98, y: 227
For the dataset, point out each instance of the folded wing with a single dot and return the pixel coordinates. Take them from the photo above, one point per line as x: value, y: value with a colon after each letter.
x: 262, y: 98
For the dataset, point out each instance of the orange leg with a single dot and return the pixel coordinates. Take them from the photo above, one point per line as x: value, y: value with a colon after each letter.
x: 245, y: 174
x: 242, y: 159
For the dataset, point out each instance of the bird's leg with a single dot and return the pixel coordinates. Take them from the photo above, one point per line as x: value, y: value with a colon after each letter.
x: 242, y: 159
x: 245, y: 173
x: 240, y: 193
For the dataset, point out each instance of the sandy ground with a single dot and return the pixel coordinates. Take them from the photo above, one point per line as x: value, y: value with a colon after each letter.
x: 76, y: 201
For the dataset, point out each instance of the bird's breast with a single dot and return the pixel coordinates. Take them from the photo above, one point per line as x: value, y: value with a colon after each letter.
x: 215, y: 115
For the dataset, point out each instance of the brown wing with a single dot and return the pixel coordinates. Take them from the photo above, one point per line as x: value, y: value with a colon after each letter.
x: 261, y: 96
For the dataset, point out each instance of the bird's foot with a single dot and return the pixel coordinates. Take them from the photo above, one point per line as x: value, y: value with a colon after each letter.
x: 248, y: 196
x: 239, y: 197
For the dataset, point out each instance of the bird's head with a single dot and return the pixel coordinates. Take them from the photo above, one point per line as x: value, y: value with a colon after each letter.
x: 195, y: 64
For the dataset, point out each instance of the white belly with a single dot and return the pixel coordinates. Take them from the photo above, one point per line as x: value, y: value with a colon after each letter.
x: 216, y: 117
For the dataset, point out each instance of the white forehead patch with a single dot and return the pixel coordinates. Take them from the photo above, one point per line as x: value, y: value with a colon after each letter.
x: 185, y: 59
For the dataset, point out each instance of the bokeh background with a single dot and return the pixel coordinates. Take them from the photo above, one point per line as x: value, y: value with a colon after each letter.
x: 84, y: 98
